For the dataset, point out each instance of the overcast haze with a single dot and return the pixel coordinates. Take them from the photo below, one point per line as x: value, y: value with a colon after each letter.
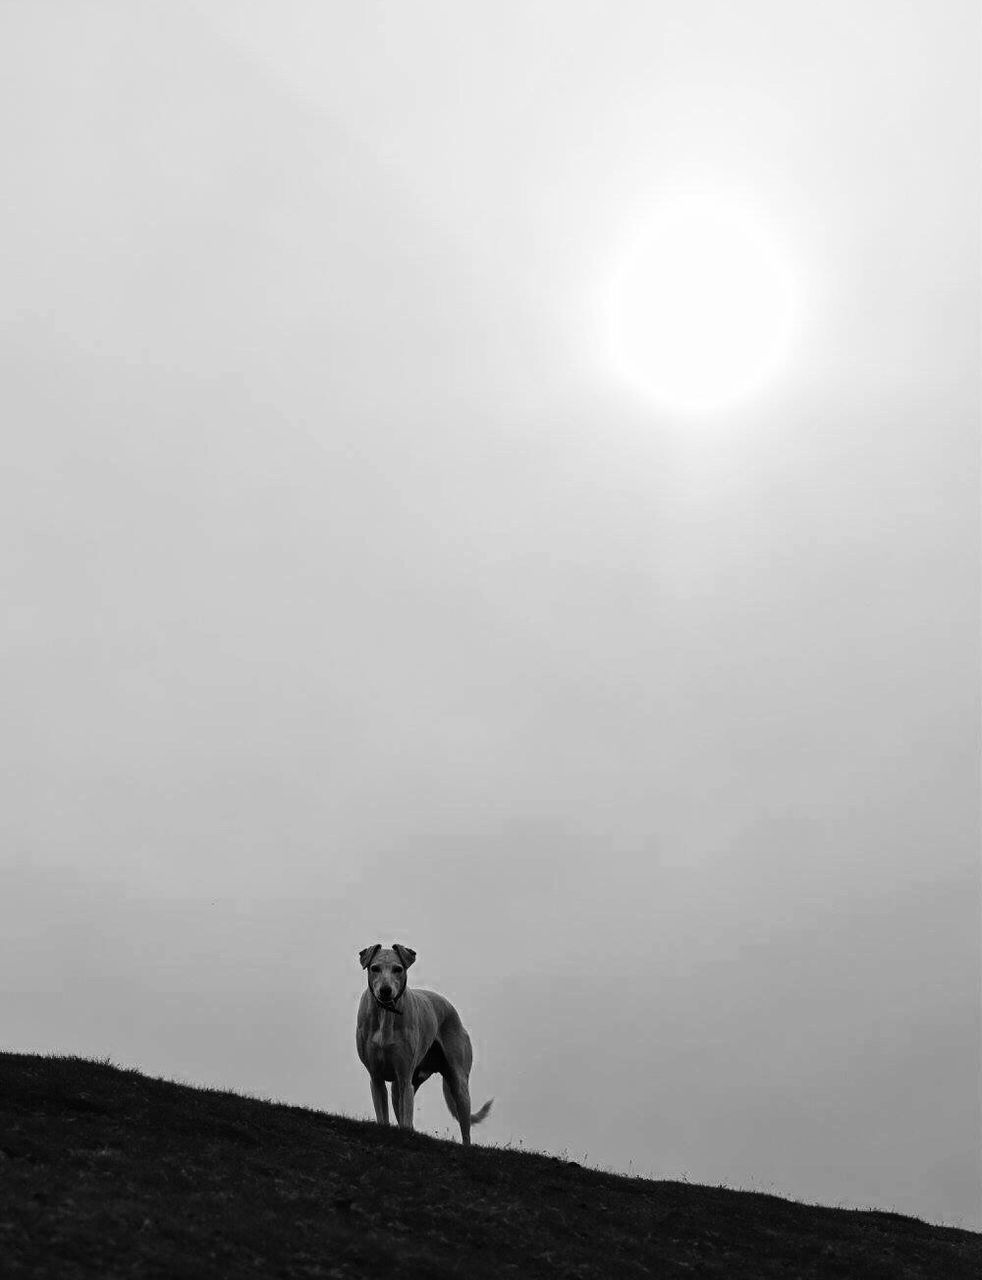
x: 352, y: 597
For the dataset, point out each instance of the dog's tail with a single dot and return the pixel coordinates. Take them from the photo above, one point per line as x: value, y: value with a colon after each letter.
x: 478, y: 1116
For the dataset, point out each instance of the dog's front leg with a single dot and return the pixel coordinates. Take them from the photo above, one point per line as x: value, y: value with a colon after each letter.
x: 402, y: 1101
x: 381, y: 1100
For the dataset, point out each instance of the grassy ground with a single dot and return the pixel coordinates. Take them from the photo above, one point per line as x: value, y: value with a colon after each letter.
x: 109, y: 1173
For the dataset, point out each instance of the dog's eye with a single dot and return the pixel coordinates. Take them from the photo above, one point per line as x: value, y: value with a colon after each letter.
x: 397, y: 968
x: 376, y: 968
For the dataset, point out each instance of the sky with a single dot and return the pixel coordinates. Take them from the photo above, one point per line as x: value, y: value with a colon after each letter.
x: 368, y: 579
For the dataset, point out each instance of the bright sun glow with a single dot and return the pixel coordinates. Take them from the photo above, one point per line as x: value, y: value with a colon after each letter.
x: 702, y: 306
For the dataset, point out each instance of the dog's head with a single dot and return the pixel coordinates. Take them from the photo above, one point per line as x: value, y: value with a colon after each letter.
x: 387, y: 969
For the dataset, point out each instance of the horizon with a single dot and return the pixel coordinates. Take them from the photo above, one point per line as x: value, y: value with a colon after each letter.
x: 448, y: 1136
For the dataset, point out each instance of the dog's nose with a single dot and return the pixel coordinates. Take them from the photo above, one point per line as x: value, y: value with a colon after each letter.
x: 385, y: 993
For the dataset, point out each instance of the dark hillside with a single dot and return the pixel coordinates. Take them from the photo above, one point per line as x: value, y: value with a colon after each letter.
x: 108, y: 1173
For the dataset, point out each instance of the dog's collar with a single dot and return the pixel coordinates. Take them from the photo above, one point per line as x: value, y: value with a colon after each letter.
x: 388, y: 1005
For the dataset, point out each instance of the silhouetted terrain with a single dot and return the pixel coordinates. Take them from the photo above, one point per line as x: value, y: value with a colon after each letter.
x: 105, y: 1172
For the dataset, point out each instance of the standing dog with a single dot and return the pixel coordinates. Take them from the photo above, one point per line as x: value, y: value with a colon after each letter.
x: 405, y: 1036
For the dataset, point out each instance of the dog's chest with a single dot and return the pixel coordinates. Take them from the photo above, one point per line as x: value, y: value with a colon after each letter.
x: 383, y: 1038
x: 385, y: 1048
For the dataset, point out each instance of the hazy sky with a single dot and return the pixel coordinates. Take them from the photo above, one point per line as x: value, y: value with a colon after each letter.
x: 353, y: 594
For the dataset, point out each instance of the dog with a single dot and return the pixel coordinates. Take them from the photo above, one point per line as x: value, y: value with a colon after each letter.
x: 404, y: 1036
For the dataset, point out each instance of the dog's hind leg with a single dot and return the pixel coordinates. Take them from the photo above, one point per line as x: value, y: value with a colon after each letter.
x: 458, y: 1099
x: 449, y: 1098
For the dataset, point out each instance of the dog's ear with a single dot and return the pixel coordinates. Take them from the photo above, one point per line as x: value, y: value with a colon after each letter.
x: 368, y: 955
x: 406, y: 954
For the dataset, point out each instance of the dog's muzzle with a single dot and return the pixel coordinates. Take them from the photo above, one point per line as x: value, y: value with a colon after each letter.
x: 389, y: 1003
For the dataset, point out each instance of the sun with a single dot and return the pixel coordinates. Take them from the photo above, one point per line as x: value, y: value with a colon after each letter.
x: 702, y: 306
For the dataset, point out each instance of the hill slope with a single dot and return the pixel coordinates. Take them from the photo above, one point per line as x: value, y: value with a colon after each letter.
x: 109, y: 1173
